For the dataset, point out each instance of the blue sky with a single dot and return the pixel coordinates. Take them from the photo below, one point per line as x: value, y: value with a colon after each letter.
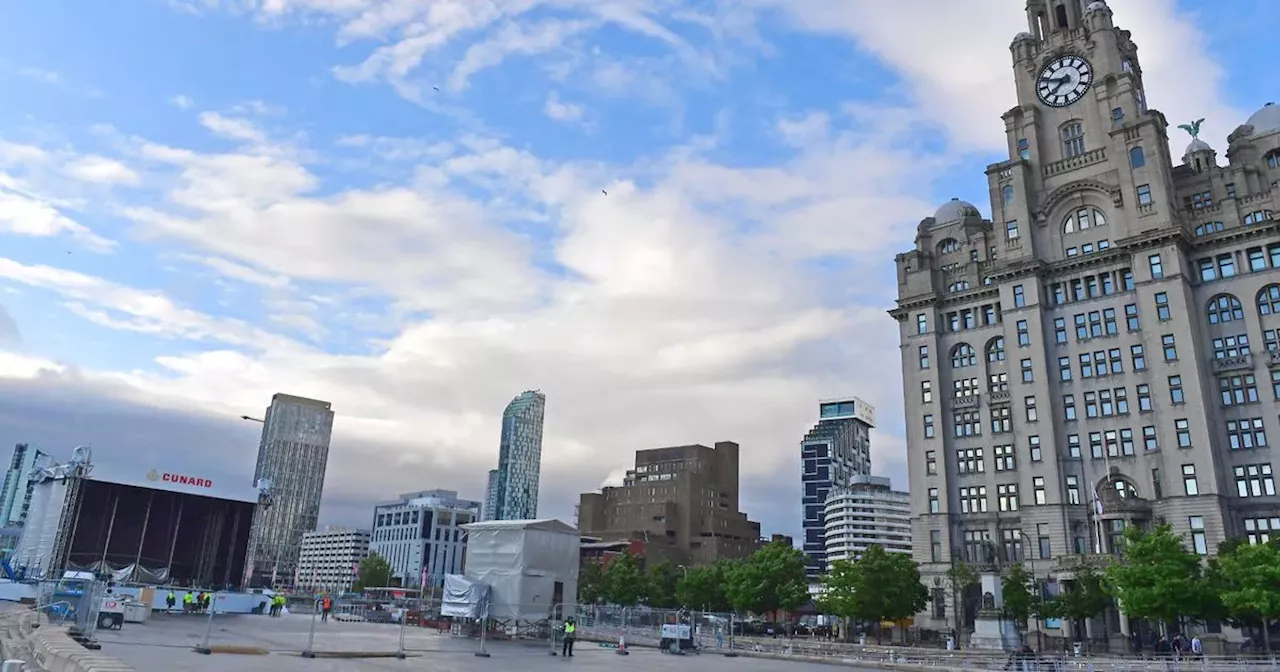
x: 400, y: 206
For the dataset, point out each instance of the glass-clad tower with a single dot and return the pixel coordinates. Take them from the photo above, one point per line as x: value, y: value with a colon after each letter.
x: 831, y: 454
x: 515, y: 486
x: 292, y: 456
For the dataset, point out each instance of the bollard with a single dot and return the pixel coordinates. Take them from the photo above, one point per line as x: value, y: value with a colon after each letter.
x: 484, y: 627
x: 311, y: 635
x: 404, y: 616
x: 208, y: 627
x: 12, y: 666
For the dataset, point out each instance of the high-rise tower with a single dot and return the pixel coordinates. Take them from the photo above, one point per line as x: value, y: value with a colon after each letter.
x: 831, y: 454
x: 514, y: 487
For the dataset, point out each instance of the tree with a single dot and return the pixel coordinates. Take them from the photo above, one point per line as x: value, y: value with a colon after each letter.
x: 961, y: 578
x: 1158, y: 578
x: 879, y: 586
x: 1248, y: 583
x: 837, y: 596
x: 1019, y: 598
x: 772, y: 578
x: 661, y: 586
x: 704, y: 587
x: 1080, y: 599
x: 591, y: 583
x: 624, y: 583
x: 374, y: 572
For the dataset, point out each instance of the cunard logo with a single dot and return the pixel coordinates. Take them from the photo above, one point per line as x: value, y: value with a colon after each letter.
x: 153, y: 475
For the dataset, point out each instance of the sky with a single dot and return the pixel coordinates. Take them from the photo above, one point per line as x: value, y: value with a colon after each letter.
x: 675, y: 218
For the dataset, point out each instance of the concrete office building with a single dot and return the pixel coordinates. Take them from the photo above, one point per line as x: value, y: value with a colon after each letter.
x: 869, y: 512
x: 513, y: 489
x: 836, y: 450
x: 1111, y: 329
x: 682, y: 502
x: 292, y: 457
x: 330, y: 558
x: 421, y: 535
x: 15, y: 496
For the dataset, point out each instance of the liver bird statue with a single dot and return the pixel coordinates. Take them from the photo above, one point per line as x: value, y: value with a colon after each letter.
x: 1193, y: 128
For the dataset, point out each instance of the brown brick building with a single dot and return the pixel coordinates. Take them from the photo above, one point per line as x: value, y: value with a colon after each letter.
x: 682, y: 502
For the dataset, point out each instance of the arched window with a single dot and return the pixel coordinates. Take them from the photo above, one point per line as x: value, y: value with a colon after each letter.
x: 963, y: 355
x: 1083, y: 219
x: 1225, y: 308
x: 948, y: 246
x: 1273, y: 160
x: 1269, y: 300
x: 1060, y: 13
x: 1137, y: 158
x: 1208, y: 228
x: 958, y: 286
x: 995, y: 349
x: 1072, y: 139
x: 1123, y: 486
x: 1006, y: 194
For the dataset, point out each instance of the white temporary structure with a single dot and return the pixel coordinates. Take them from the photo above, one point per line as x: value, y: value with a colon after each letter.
x: 530, y: 566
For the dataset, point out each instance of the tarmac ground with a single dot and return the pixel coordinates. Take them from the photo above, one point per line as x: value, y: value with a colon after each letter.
x: 167, y: 642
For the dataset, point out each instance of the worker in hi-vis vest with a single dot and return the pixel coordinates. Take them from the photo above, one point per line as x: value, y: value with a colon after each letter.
x: 170, y: 600
x: 569, y: 630
x: 188, y: 601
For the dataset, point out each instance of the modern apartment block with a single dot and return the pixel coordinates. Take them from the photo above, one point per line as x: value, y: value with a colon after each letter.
x: 330, y: 558
x: 421, y: 535
x: 869, y: 512
x: 15, y: 496
x: 681, y: 501
x: 1111, y: 329
x: 292, y: 456
x: 513, y: 486
x: 836, y: 450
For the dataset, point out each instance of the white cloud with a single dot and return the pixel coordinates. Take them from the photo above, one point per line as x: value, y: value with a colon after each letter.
x: 93, y: 168
x: 560, y: 110
x: 241, y: 272
x: 25, y: 214
x: 182, y: 102
x: 232, y: 128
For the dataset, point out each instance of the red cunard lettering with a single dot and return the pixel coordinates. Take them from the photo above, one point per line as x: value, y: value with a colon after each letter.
x: 187, y: 480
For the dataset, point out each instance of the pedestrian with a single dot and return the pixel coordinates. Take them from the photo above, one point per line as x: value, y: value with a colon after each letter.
x: 170, y: 600
x: 326, y: 605
x: 188, y: 602
x: 200, y: 601
x: 566, y: 649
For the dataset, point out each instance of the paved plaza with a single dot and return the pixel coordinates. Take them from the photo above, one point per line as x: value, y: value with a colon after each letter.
x: 165, y: 643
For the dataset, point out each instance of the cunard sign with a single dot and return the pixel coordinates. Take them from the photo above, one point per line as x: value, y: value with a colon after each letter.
x: 179, y: 479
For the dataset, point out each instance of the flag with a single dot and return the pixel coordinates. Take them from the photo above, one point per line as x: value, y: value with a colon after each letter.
x: 1097, y: 501
x: 423, y: 582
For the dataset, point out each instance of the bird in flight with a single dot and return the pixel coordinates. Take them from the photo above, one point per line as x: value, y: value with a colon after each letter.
x: 604, y: 192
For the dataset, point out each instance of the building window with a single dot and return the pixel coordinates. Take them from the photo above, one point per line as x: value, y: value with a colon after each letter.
x: 1257, y: 259
x: 1068, y: 407
x: 933, y: 500
x: 1175, y: 391
x: 1255, y: 480
x: 995, y: 349
x: 1024, y: 338
x: 1029, y: 403
x: 968, y: 424
x: 1059, y: 330
x: 1162, y: 307
x: 1004, y: 458
x: 1109, y: 321
x: 1230, y: 346
x: 1238, y: 389
x: 1117, y: 116
x: 1019, y: 296
x: 1170, y: 348
x: 1037, y: 488
x: 1131, y: 317
x: 1138, y: 357
x: 1149, y: 441
x: 1011, y: 226
x: 1257, y: 217
x: 1269, y: 300
x: 1258, y: 530
x: 924, y: 357
x: 1197, y: 535
x: 1144, y: 194
x: 1209, y: 228
x: 1073, y: 139
x: 1073, y: 489
x: 1026, y: 371
x: 1144, y: 398
x: 1033, y: 442
x: 1275, y: 383
x: 926, y: 391
x: 1156, y: 488
x: 1001, y: 422
x: 998, y: 382
x: 1231, y: 190
x: 1189, y: 484
x: 1182, y: 429
x: 928, y: 427
x: 1271, y: 339
x: 1126, y: 442
x: 1157, y: 268
x: 1007, y: 495
x: 973, y: 500
x: 1086, y: 365
x: 964, y: 387
x: 963, y: 355
x: 1225, y: 308
x: 1116, y: 361
x: 1024, y: 149
x: 1091, y: 404
x: 935, y: 545
x: 1043, y: 536
x: 1073, y: 446
x: 931, y: 462
x: 1246, y: 434
x: 1082, y: 220
x: 1064, y: 368
x: 969, y: 461
x: 1137, y: 158
x: 922, y: 324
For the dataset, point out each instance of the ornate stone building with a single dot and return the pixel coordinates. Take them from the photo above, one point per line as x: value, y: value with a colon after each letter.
x: 1103, y: 351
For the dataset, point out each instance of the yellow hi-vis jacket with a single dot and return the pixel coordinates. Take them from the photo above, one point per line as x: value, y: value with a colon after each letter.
x: 188, y: 598
x: 569, y: 628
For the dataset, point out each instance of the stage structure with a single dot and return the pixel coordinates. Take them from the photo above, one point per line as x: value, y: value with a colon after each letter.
x: 138, y: 524
x: 530, y: 567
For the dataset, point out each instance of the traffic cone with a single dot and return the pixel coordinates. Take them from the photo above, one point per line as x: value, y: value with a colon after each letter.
x: 622, y: 646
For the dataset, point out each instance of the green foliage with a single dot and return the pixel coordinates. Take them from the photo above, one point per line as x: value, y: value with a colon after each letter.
x: 375, y: 572
x: 591, y: 583
x: 1020, y: 600
x: 1080, y: 599
x: 772, y: 578
x: 838, y: 586
x: 1158, y: 578
x: 879, y: 586
x: 661, y: 588
x: 704, y: 587
x: 961, y: 578
x: 625, y: 584
x: 1247, y: 581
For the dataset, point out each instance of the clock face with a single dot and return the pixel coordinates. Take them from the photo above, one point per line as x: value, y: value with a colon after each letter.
x: 1064, y: 80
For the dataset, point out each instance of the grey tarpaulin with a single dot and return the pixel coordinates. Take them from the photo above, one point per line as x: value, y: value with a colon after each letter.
x: 463, y: 597
x: 531, y: 566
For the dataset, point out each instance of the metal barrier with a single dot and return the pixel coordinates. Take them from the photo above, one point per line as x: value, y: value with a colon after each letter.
x: 74, y: 600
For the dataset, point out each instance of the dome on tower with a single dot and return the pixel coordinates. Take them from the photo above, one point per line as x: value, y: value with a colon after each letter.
x: 1266, y: 120
x: 1095, y: 6
x: 955, y: 210
x: 1197, y: 145
x: 1023, y: 36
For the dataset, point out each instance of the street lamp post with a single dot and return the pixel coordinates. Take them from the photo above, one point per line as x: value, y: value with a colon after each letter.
x: 1039, y: 588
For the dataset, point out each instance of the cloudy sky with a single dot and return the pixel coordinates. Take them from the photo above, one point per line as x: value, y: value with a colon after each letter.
x: 400, y: 206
